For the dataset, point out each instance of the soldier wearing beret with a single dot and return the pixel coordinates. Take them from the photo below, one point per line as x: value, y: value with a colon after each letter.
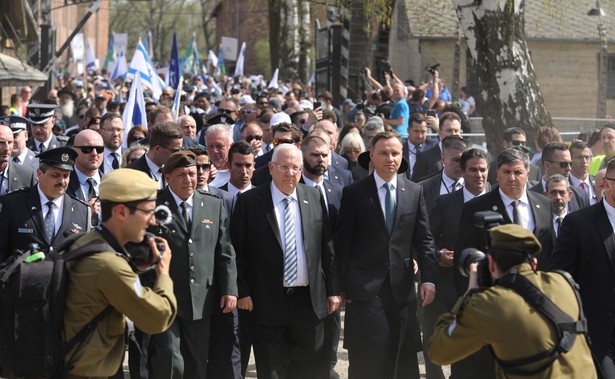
x: 44, y: 213
x: 108, y: 278
x: 499, y: 317
x: 204, y: 260
x: 42, y: 121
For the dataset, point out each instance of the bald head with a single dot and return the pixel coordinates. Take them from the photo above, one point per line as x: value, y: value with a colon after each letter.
x: 88, y: 137
x: 88, y: 159
x: 331, y: 130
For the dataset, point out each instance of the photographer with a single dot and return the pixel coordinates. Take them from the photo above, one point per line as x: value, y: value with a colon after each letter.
x: 109, y: 278
x: 494, y: 312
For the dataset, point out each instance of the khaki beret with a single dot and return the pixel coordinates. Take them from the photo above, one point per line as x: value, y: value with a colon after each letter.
x: 514, y: 237
x: 183, y: 158
x: 126, y: 185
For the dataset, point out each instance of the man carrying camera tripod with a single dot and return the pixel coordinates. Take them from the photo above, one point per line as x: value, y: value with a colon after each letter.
x: 528, y: 340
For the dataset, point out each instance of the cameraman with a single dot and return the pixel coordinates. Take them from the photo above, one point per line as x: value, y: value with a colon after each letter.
x: 499, y: 317
x: 108, y: 278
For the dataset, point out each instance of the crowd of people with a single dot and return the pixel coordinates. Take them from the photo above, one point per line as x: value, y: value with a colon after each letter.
x: 286, y: 209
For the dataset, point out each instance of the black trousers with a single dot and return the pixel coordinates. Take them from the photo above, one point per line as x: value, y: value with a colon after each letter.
x: 295, y: 350
x: 224, y: 349
x: 382, y: 338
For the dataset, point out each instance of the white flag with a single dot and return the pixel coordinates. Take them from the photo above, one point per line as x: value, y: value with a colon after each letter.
x: 212, y: 59
x: 134, y: 112
x: 240, y: 59
x: 91, y: 63
x: 274, y: 80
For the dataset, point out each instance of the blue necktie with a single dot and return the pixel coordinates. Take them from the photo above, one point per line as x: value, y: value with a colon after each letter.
x: 290, y: 245
x: 389, y: 207
x: 50, y: 223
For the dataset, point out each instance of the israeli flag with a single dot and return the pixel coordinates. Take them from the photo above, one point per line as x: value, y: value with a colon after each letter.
x: 142, y: 64
x: 134, y: 112
x: 240, y: 60
x: 120, y: 69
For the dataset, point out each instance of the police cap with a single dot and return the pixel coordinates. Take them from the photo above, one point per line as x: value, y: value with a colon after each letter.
x: 126, y: 185
x: 513, y: 237
x: 40, y: 113
x: 220, y: 118
x: 183, y: 158
x: 60, y: 157
x: 18, y: 123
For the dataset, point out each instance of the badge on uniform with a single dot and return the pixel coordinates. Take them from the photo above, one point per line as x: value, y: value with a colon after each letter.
x: 207, y: 222
x: 25, y: 230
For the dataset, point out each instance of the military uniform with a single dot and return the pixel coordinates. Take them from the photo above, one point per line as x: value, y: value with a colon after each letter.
x: 500, y: 318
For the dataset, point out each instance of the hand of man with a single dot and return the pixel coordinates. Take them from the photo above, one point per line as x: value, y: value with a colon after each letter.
x: 228, y: 303
x: 333, y: 304
x: 445, y: 258
x: 428, y: 293
x: 94, y: 203
x: 165, y: 257
x: 245, y: 303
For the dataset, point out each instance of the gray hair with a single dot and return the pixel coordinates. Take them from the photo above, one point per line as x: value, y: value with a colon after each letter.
x: 220, y: 128
x: 352, y: 140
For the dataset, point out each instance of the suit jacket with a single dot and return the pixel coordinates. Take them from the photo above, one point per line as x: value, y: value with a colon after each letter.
x: 74, y: 187
x: 260, y: 255
x: 471, y: 236
x: 30, y: 160
x: 141, y: 165
x: 338, y: 161
x: 367, y: 253
x: 428, y: 144
x: 22, y: 223
x: 431, y: 190
x: 428, y: 163
x: 56, y: 141
x: 333, y: 200
x: 263, y: 160
x: 585, y: 247
x: 202, y: 254
x: 227, y: 200
x: 580, y: 198
x: 340, y: 176
x: 20, y: 176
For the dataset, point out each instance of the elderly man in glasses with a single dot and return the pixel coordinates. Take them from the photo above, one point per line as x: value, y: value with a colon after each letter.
x: 556, y: 159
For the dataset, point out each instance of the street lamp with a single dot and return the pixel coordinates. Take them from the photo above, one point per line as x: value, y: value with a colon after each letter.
x: 602, y: 61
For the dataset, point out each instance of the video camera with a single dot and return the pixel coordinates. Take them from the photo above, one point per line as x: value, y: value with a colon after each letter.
x: 140, y: 254
x: 432, y: 68
x: 483, y: 220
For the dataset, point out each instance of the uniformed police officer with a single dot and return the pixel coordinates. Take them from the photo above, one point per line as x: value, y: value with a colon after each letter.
x: 44, y: 213
x: 500, y: 318
x: 108, y: 278
x: 42, y: 122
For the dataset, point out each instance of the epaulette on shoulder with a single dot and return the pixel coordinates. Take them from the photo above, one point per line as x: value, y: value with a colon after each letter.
x: 62, y: 138
x: 15, y: 191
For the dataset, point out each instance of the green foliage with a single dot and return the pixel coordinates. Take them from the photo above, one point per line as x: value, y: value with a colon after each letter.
x: 263, y: 59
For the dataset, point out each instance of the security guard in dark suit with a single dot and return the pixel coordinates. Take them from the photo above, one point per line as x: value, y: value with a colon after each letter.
x: 43, y: 214
x: 203, y: 259
x: 41, y: 122
x: 518, y: 333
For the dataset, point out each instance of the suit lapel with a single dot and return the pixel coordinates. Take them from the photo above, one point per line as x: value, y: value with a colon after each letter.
x: 372, y: 196
x: 498, y: 206
x: 169, y: 201
x: 75, y: 186
x: 603, y: 225
x: 36, y: 211
x: 269, y: 212
x: 401, y: 198
x: 538, y: 213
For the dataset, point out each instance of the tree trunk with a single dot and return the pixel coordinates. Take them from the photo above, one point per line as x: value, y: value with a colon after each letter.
x: 275, y: 32
x: 509, y: 94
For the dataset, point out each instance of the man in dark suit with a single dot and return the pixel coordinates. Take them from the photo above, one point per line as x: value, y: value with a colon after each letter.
x: 336, y: 160
x: 450, y: 179
x: 21, y: 154
x: 516, y: 205
x: 444, y: 221
x: 204, y: 259
x: 286, y: 272
x: 112, y: 132
x: 579, y: 170
x: 165, y: 139
x: 585, y: 247
x: 43, y: 214
x: 382, y: 219
x: 429, y: 162
x: 514, y: 137
x: 556, y: 160
x: 417, y: 140
x: 12, y: 175
x: 42, y: 122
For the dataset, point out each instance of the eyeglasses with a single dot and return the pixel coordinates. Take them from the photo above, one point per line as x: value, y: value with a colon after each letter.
x: 171, y: 150
x: 204, y: 166
x: 227, y: 111
x: 89, y: 149
x: 293, y: 170
x: 247, y: 111
x: 148, y: 212
x: 252, y: 138
x: 113, y: 130
x: 562, y: 164
x: 278, y: 141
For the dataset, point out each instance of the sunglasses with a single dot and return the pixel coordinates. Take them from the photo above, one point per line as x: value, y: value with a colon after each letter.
x: 247, y: 111
x: 252, y: 138
x: 518, y: 143
x: 227, y: 111
x: 562, y: 164
x: 204, y: 166
x: 278, y: 141
x: 89, y: 149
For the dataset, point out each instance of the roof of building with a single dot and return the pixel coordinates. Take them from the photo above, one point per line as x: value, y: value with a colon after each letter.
x: 551, y: 20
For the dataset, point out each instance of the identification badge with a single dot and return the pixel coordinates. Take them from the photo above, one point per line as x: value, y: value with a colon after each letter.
x: 25, y: 230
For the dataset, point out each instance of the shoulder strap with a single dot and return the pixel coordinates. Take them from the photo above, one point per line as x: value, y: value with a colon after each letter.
x: 567, y: 328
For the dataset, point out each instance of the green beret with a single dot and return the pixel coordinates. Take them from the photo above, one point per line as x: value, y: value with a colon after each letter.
x: 126, y: 185
x: 514, y: 237
x: 183, y: 158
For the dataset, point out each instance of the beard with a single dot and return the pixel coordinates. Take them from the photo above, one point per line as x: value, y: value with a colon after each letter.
x: 68, y: 109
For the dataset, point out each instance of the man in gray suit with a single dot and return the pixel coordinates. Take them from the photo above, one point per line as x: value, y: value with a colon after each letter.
x: 204, y: 259
x: 21, y: 154
x: 12, y: 175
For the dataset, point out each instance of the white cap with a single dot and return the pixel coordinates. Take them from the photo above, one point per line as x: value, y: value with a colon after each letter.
x: 305, y: 104
x: 279, y: 118
x: 246, y: 99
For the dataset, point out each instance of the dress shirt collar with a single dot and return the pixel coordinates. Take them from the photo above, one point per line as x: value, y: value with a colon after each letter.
x: 278, y: 196
x: 507, y: 200
x: 153, y: 167
x: 83, y: 177
x: 235, y: 191
x: 467, y: 195
x: 179, y: 201
x: 380, y: 182
x: 59, y: 201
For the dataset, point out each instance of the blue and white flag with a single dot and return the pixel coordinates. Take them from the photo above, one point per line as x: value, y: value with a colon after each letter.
x: 178, y: 95
x: 312, y: 80
x: 142, y: 64
x: 134, y: 112
x: 174, y: 69
x: 91, y: 63
x: 274, y: 79
x: 240, y: 59
x: 120, y: 69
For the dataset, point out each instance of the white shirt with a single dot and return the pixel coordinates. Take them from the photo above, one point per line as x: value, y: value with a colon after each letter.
x: 189, y: 203
x: 576, y: 182
x: 222, y: 177
x: 85, y: 187
x: 236, y: 191
x: 382, y: 192
x: 446, y: 184
x: 278, y: 204
x: 153, y: 169
x: 467, y: 195
x: 57, y: 208
x: 45, y: 143
x: 108, y: 159
x: 523, y: 208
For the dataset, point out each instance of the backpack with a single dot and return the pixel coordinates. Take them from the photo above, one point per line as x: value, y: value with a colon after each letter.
x: 32, y: 301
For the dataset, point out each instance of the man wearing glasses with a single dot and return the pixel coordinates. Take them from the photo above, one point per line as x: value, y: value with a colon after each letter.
x: 165, y: 139
x: 556, y: 160
x: 513, y: 136
x: 112, y: 132
x: 579, y: 173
